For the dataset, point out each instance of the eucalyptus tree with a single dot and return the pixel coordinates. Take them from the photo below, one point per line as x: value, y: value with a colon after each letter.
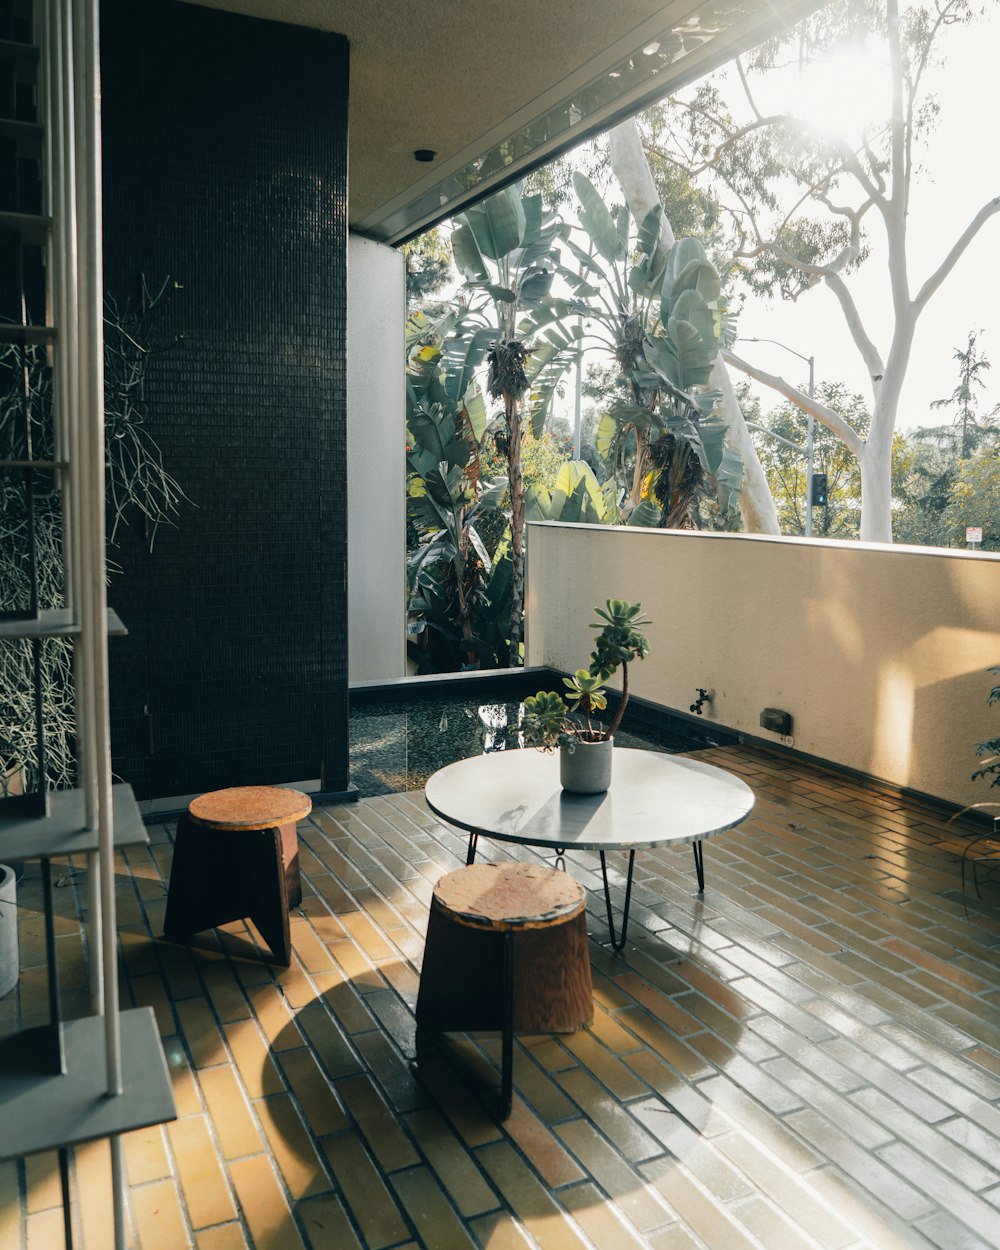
x: 801, y: 201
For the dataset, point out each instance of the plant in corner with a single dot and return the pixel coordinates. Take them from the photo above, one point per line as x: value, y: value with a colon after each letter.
x: 567, y: 720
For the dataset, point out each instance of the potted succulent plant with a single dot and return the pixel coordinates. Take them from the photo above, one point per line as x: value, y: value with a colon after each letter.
x: 567, y: 720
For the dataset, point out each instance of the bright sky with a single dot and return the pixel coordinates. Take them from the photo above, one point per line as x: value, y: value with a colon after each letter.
x: 961, y: 174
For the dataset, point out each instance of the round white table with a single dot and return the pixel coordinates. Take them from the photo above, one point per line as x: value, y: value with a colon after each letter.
x: 655, y: 800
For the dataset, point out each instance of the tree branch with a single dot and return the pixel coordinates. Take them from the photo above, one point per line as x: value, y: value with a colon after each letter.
x: 832, y: 420
x: 869, y: 352
x: 630, y: 167
x: 949, y: 262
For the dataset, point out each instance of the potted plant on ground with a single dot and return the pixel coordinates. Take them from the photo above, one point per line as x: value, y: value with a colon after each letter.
x: 567, y: 720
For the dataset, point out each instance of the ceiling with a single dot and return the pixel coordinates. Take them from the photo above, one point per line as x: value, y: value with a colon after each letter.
x: 496, y: 87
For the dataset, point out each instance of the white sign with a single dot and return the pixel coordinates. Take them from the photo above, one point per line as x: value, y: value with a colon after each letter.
x: 973, y: 534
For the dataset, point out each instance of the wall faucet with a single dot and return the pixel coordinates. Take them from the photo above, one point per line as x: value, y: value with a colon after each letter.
x: 704, y: 697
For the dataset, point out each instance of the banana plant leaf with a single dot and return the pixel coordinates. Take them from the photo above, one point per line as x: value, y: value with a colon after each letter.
x: 606, y: 436
x: 729, y: 478
x: 610, y: 491
x: 597, y: 221
x: 550, y: 310
x: 577, y: 495
x: 684, y: 263
x: 537, y: 502
x: 476, y: 414
x: 581, y: 288
x: 434, y: 442
x: 693, y: 356
x: 645, y: 514
x: 462, y: 356
x: 587, y: 262
x: 478, y: 546
x: 646, y: 275
x: 499, y: 223
x: 491, y: 497
x: 651, y: 228
x: 535, y: 286
x: 468, y: 258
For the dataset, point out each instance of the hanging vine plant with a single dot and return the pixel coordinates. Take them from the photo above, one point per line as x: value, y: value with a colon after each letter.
x: 136, y: 481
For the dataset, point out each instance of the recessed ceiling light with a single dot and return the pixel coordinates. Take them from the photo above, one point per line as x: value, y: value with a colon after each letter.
x: 424, y: 155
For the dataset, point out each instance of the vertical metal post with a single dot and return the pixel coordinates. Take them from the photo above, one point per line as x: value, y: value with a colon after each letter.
x: 67, y: 380
x: 92, y: 494
x: 809, y: 453
x: 95, y: 620
x: 578, y: 395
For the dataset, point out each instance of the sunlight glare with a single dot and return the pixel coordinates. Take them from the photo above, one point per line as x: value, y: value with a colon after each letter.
x: 844, y: 96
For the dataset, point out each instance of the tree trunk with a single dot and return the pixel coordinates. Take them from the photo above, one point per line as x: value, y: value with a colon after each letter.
x: 516, y: 482
x: 756, y: 501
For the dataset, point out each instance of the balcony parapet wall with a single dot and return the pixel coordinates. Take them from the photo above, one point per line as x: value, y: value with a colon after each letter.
x: 880, y: 653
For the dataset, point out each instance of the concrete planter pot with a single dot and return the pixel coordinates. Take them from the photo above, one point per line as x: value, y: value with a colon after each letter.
x: 9, y: 954
x: 586, y: 768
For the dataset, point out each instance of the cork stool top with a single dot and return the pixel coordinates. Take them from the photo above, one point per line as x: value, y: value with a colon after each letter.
x: 250, y: 807
x: 505, y: 897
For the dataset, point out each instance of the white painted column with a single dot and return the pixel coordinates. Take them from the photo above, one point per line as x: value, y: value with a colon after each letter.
x: 376, y: 409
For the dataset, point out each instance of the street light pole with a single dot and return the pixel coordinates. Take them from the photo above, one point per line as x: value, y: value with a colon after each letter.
x: 809, y: 449
x: 809, y: 453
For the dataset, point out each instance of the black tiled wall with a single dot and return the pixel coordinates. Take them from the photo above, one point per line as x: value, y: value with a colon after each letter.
x: 225, y: 158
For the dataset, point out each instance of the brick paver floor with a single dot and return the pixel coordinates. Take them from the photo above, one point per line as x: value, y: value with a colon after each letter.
x: 808, y: 1055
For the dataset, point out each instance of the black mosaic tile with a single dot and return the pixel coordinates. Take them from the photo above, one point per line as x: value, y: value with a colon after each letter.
x: 225, y: 151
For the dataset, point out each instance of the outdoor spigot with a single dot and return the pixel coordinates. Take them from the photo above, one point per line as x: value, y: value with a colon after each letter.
x: 703, y: 698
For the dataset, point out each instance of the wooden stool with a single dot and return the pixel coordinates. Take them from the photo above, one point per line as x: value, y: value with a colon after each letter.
x: 236, y: 856
x: 480, y: 916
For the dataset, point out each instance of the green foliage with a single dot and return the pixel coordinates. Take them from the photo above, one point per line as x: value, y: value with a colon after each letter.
x: 428, y: 269
x: 619, y: 641
x: 459, y: 592
x: 990, y: 751
x: 969, y: 424
x: 951, y: 473
x: 785, y: 468
x: 549, y: 717
x: 136, y: 482
x: 661, y: 320
x: 576, y: 496
x: 975, y: 499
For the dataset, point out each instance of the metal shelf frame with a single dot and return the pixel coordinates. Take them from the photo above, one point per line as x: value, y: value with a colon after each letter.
x: 71, y: 1081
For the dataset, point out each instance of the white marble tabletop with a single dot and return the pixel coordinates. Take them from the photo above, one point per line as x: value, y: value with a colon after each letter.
x: 654, y: 800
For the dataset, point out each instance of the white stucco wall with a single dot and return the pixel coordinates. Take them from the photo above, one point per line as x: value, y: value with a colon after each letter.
x: 879, y: 653
x: 376, y: 536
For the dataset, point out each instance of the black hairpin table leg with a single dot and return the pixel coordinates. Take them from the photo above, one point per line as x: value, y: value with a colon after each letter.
x: 699, y: 864
x: 619, y: 942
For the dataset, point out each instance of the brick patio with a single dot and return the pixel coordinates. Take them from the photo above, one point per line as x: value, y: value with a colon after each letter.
x: 806, y: 1056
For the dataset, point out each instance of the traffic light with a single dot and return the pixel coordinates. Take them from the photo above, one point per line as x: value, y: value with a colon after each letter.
x: 819, y: 490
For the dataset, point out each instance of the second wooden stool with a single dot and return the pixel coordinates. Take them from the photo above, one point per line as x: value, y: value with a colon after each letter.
x: 506, y: 949
x: 236, y: 857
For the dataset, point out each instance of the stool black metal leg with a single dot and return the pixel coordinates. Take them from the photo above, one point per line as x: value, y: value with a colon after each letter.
x: 67, y: 1208
x: 507, y: 1020
x: 470, y: 854
x: 699, y: 864
x: 617, y: 944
